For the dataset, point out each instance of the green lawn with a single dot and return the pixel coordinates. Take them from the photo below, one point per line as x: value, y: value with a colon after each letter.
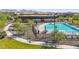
x: 4, y: 17
x: 2, y: 23
x: 9, y: 43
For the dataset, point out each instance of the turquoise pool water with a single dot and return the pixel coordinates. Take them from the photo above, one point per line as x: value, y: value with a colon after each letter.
x: 63, y: 27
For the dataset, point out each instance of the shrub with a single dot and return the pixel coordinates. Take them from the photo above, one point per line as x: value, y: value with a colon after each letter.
x: 2, y: 34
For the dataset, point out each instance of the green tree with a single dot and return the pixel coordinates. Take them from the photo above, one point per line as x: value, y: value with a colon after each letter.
x: 19, y: 27
x: 4, y: 17
x: 61, y: 18
x: 30, y: 22
x: 57, y: 36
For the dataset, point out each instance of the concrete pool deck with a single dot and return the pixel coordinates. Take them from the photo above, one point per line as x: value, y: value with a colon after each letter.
x: 73, y: 27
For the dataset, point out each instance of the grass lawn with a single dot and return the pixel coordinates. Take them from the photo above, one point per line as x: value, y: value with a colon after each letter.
x: 9, y: 43
x: 2, y: 23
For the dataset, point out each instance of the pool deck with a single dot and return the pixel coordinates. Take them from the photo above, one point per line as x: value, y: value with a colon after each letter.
x: 73, y: 27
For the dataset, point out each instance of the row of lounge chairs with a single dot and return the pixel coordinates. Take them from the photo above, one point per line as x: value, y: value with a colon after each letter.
x: 72, y: 37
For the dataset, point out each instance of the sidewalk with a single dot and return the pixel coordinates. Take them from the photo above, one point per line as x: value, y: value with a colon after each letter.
x: 67, y: 47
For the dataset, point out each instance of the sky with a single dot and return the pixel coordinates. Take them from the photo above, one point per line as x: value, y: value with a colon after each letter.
x: 45, y: 5
x: 57, y: 10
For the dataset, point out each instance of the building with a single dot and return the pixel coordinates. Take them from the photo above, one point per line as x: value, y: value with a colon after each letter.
x: 37, y: 16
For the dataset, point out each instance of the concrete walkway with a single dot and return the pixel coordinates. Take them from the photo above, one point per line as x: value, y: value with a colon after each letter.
x: 67, y: 47
x: 9, y: 34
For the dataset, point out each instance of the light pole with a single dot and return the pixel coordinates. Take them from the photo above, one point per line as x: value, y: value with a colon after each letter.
x: 54, y: 26
x: 55, y: 16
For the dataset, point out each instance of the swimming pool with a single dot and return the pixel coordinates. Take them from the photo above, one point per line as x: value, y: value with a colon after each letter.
x: 61, y: 27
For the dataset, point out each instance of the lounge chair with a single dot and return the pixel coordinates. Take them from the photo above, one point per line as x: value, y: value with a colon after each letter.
x: 74, y: 37
x: 68, y: 37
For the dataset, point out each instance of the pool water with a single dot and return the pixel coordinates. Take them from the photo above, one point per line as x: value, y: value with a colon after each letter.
x: 61, y: 27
